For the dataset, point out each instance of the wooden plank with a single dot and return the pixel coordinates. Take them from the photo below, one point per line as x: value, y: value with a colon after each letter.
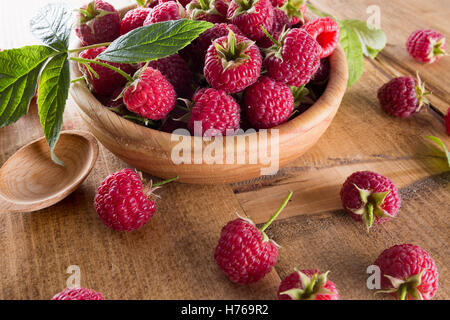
x: 361, y: 137
x: 333, y: 241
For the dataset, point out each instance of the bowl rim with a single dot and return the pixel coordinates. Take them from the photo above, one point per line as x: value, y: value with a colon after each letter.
x: 316, y: 113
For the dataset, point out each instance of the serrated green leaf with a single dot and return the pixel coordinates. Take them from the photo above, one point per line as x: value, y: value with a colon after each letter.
x: 53, y: 92
x: 19, y: 72
x: 442, y: 145
x: 353, y: 51
x: 52, y: 25
x: 372, y: 40
x: 154, y: 41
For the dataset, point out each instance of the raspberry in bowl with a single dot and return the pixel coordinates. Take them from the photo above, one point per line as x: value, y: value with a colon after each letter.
x: 147, y: 144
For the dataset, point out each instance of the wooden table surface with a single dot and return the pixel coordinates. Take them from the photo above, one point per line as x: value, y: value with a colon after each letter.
x: 172, y: 256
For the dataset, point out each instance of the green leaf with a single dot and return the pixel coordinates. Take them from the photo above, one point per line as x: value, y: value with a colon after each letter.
x: 53, y: 92
x: 52, y: 25
x: 353, y: 51
x: 19, y: 72
x: 372, y: 40
x: 442, y: 145
x: 154, y: 41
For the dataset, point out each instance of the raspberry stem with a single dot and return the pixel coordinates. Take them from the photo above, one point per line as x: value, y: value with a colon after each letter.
x: 98, y: 45
x: 119, y: 71
x: 270, y: 37
x: 268, y: 223
x: 165, y: 182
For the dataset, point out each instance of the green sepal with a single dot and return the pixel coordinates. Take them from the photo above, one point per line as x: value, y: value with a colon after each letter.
x: 244, y: 6
x: 405, y: 288
x: 310, y: 287
x: 438, y: 48
x: 421, y: 93
x: 231, y: 52
x: 293, y: 9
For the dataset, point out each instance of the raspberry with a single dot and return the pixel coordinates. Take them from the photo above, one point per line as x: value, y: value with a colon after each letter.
x: 206, y: 10
x: 326, y: 32
x: 78, y: 294
x: 177, y: 72
x: 268, y: 103
x: 150, y: 95
x: 164, y: 12
x: 217, y: 112
x: 408, y: 272
x: 121, y: 203
x: 277, y: 3
x: 307, y: 285
x: 403, y: 96
x: 294, y: 58
x: 201, y: 44
x: 184, y: 3
x: 426, y: 45
x: 97, y: 22
x: 133, y: 19
x: 245, y: 253
x: 280, y: 20
x: 232, y: 63
x: 370, y: 197
x: 321, y: 75
x: 447, y: 121
x: 250, y: 15
x: 108, y: 80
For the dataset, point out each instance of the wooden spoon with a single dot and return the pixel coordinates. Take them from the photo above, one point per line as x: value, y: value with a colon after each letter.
x: 30, y: 180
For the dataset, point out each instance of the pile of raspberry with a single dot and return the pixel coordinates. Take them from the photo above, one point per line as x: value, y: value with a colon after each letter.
x: 259, y: 66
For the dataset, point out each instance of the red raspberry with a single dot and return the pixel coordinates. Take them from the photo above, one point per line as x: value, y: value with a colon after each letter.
x: 280, y: 20
x: 370, y: 197
x: 250, y: 15
x: 268, y: 103
x: 78, y: 294
x: 184, y: 3
x: 321, y: 75
x: 153, y: 3
x: 277, y: 3
x: 133, y: 19
x: 403, y: 96
x: 294, y: 59
x: 232, y: 63
x: 206, y: 10
x: 245, y: 253
x: 164, y: 12
x: 150, y: 95
x: 97, y: 22
x: 216, y: 111
x: 426, y: 45
x: 326, y: 32
x: 121, y: 203
x: 307, y: 285
x: 108, y: 80
x: 447, y: 121
x: 203, y: 42
x: 408, y: 272
x: 177, y: 72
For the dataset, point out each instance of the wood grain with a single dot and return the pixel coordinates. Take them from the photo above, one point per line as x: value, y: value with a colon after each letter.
x: 171, y: 257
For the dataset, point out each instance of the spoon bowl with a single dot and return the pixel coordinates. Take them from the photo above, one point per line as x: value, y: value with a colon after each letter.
x: 30, y: 180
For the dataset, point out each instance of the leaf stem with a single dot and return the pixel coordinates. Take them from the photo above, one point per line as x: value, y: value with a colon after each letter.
x: 122, y: 73
x: 98, y: 45
x: 268, y: 223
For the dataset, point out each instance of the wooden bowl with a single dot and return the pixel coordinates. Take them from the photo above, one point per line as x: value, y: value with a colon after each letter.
x: 150, y: 150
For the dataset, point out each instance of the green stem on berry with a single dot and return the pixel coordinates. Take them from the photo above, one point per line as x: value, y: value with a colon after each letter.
x: 403, y: 291
x: 164, y: 182
x: 119, y: 71
x: 98, y: 45
x: 77, y: 79
x: 268, y: 223
x: 203, y: 4
x: 270, y: 37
